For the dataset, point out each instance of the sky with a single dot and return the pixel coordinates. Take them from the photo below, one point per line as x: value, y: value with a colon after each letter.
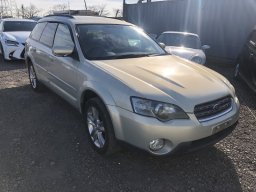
x: 46, y: 5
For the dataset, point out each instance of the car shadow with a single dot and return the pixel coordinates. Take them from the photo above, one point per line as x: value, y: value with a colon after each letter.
x: 11, y: 65
x: 43, y: 147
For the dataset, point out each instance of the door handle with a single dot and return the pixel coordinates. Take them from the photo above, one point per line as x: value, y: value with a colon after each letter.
x: 251, y: 55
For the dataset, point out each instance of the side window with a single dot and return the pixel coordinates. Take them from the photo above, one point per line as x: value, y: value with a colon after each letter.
x: 37, y: 31
x: 63, y: 37
x: 48, y: 34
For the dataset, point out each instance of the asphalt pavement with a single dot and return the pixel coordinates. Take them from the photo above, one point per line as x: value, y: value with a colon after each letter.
x: 43, y: 148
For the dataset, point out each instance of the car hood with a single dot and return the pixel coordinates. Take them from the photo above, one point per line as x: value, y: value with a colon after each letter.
x: 168, y: 79
x: 19, y: 36
x: 184, y: 52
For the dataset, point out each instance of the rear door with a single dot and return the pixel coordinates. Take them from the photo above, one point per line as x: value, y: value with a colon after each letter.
x: 43, y: 51
x: 64, y: 69
x: 33, y: 46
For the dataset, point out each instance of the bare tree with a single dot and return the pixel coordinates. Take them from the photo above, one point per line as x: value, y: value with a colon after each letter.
x: 100, y: 9
x: 58, y: 7
x: 28, y: 12
x: 31, y: 11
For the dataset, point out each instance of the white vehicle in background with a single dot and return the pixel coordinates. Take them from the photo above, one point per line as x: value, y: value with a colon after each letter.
x: 185, y: 45
x: 13, y: 35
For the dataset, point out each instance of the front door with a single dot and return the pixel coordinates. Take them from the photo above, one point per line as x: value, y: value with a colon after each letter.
x: 64, y: 69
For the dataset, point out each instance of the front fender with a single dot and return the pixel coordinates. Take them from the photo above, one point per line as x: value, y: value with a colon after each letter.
x: 99, y: 90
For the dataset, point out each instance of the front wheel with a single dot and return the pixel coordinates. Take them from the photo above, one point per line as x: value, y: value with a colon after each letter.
x: 99, y: 127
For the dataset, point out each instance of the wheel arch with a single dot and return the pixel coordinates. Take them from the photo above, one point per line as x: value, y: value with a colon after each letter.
x: 102, y: 94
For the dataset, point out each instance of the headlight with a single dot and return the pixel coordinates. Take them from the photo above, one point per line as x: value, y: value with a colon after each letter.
x: 11, y: 43
x: 197, y: 59
x: 161, y: 111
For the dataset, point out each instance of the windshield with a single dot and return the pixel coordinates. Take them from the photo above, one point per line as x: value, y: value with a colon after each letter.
x: 18, y: 26
x: 180, y: 40
x: 100, y: 42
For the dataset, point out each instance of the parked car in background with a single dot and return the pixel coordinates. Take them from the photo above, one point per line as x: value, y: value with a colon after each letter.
x: 13, y: 35
x: 128, y: 88
x: 246, y: 62
x: 185, y: 45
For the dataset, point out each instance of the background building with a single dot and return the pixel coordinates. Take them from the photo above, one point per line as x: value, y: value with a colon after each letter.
x: 222, y: 24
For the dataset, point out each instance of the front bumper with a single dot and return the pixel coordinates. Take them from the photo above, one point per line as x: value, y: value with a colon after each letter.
x: 14, y: 52
x: 139, y: 131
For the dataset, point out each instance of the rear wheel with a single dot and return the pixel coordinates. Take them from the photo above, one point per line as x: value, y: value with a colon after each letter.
x: 99, y: 127
x: 35, y: 84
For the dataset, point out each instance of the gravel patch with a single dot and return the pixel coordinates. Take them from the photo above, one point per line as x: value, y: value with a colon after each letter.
x: 43, y: 148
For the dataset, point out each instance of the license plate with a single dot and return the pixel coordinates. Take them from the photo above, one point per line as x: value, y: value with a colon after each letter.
x: 221, y: 126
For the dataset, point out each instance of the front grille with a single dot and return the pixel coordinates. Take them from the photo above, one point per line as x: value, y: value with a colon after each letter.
x: 212, y: 109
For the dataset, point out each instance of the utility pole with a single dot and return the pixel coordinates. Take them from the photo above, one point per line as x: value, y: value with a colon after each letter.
x: 124, y: 8
x: 85, y: 5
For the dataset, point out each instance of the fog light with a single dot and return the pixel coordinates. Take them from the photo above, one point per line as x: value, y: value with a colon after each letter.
x: 156, y: 144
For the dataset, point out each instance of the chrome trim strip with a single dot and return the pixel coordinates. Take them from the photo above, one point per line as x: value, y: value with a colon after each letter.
x: 216, y: 116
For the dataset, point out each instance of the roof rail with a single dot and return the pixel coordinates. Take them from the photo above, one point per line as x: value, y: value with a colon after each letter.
x: 60, y: 15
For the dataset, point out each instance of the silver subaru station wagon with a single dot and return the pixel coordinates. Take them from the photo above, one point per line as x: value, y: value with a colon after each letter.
x: 128, y: 88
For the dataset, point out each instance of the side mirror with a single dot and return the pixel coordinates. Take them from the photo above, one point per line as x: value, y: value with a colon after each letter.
x: 62, y: 51
x: 162, y: 45
x: 204, y: 47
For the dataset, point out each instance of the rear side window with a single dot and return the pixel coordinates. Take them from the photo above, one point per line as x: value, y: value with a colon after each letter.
x: 63, y: 37
x: 48, y: 34
x: 36, y: 33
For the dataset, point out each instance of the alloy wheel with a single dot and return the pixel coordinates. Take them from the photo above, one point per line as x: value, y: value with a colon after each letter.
x: 96, y: 127
x: 32, y: 77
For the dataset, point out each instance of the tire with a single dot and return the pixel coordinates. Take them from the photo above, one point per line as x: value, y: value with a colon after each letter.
x: 99, y: 127
x: 34, y: 82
